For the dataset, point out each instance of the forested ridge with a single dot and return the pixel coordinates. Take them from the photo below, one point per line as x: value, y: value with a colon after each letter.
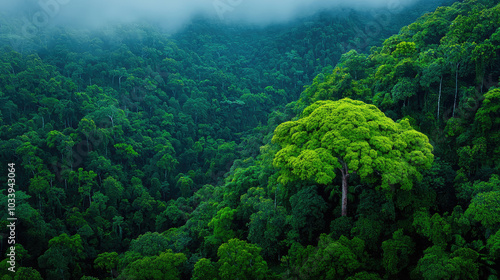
x: 309, y: 150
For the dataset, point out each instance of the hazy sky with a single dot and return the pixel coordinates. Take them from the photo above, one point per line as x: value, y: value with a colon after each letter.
x: 174, y: 13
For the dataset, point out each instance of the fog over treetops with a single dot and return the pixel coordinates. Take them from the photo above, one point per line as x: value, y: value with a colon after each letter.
x: 173, y: 13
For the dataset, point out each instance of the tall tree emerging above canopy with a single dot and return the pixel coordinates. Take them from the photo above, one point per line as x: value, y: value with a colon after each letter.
x: 352, y: 137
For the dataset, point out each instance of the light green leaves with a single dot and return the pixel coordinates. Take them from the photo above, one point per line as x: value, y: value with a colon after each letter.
x: 404, y: 49
x: 360, y: 135
x: 317, y: 164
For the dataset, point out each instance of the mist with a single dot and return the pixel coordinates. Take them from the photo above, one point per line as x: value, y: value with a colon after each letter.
x: 172, y: 14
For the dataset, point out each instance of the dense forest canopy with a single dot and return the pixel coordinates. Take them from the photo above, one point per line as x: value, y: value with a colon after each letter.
x: 337, y: 144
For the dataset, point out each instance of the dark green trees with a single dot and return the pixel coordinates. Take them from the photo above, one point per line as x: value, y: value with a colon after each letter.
x: 164, y: 266
x: 61, y: 257
x: 124, y: 138
x: 241, y: 260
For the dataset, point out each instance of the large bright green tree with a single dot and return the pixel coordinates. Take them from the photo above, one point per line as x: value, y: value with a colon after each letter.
x: 351, y: 137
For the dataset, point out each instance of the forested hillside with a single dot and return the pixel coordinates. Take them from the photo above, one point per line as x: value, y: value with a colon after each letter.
x: 317, y: 149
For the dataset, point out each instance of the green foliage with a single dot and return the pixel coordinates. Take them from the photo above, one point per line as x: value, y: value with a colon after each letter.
x: 355, y: 138
x: 403, y: 90
x: 178, y: 239
x: 438, y: 264
x: 485, y: 208
x: 27, y: 273
x: 355, y: 62
x: 126, y: 151
x: 404, y: 49
x: 142, y: 244
x: 113, y: 189
x: 107, y: 261
x: 200, y: 218
x: 125, y: 131
x: 185, y: 184
x: 369, y: 230
x: 61, y: 256
x: 307, y: 215
x: 487, y: 116
x: 468, y: 190
x: 329, y: 260
x: 364, y: 276
x: 487, y: 119
x: 355, y: 134
x: 204, y: 269
x: 241, y: 260
x: 493, y: 245
x: 266, y: 229
x: 165, y: 266
x: 221, y: 224
x: 341, y: 226
x: 435, y: 228
x: 397, y: 252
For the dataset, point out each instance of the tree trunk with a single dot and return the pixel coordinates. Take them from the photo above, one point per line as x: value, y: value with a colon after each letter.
x: 345, y: 176
x: 344, y: 195
x: 112, y: 122
x: 456, y: 90
x: 482, y: 84
x: 275, y: 197
x: 62, y: 273
x: 439, y: 98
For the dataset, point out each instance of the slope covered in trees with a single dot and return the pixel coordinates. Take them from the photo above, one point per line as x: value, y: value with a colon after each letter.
x: 146, y: 156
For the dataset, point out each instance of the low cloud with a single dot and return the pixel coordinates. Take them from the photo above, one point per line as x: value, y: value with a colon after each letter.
x: 175, y: 13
